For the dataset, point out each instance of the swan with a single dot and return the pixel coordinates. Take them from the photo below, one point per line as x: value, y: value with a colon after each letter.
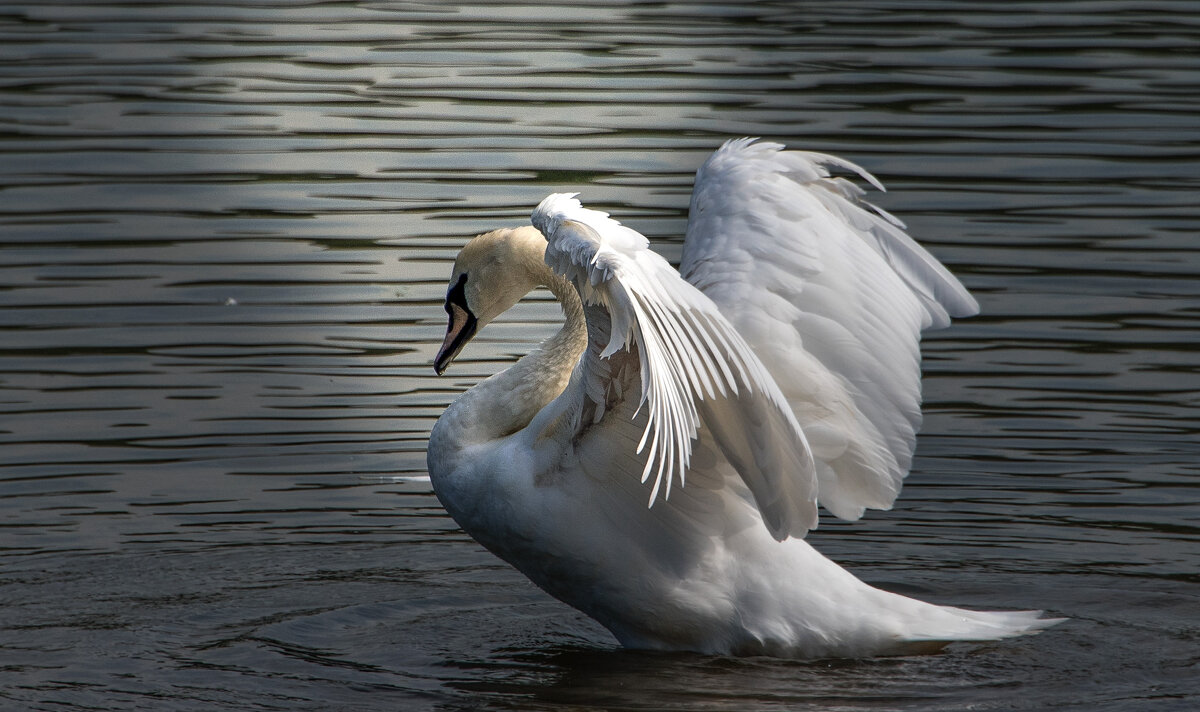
x: 657, y: 462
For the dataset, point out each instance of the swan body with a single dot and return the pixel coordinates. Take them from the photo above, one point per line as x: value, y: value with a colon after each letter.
x: 657, y: 462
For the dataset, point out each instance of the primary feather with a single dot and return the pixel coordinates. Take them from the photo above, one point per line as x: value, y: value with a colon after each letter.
x: 832, y: 295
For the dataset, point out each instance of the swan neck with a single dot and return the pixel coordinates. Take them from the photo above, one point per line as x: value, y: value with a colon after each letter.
x: 506, y: 403
x: 542, y: 374
x: 572, y: 337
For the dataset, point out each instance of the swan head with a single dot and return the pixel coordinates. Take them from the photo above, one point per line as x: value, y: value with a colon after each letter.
x: 491, y: 273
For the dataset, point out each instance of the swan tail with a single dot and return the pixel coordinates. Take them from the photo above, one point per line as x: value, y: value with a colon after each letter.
x: 959, y: 624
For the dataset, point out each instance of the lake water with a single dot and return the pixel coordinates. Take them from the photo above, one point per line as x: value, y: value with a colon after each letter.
x: 225, y: 230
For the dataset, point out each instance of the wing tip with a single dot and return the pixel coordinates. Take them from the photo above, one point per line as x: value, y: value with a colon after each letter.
x: 558, y: 208
x: 551, y: 209
x: 770, y: 149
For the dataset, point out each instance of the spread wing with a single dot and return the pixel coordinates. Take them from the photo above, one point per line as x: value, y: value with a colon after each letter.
x: 694, y: 369
x: 832, y: 295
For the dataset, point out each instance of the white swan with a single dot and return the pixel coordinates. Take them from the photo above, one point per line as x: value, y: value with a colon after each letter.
x: 777, y: 369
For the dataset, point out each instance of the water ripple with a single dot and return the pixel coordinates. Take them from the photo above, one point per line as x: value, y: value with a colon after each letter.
x: 224, y: 235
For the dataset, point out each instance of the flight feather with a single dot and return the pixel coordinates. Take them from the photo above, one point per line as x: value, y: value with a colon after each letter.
x: 832, y: 295
x: 695, y: 369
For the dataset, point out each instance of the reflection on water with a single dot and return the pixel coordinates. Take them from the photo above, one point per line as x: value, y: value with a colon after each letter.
x: 224, y: 235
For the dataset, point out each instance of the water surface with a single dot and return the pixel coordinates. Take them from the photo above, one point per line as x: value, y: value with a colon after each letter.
x: 225, y: 231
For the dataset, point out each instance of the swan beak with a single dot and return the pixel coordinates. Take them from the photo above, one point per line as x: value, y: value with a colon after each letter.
x: 458, y: 332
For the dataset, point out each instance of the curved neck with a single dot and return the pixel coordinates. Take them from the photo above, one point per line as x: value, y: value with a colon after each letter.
x: 509, y: 400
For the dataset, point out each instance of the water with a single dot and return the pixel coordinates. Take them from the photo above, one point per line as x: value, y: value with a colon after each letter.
x: 224, y: 234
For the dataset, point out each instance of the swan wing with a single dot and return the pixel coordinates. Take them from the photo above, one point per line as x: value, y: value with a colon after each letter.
x: 693, y: 368
x: 832, y: 294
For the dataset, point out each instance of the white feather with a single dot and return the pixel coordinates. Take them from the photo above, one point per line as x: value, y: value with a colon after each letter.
x: 784, y: 369
x: 832, y: 295
x: 687, y: 352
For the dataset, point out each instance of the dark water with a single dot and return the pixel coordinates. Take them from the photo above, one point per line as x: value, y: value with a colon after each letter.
x: 224, y: 233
